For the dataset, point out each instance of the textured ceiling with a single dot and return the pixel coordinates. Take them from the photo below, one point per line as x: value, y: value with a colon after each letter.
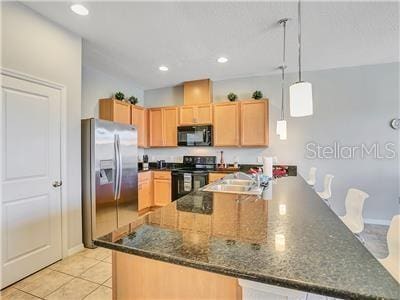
x: 134, y: 38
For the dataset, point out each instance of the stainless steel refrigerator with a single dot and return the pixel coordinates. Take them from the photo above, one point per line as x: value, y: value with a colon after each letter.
x: 109, y: 177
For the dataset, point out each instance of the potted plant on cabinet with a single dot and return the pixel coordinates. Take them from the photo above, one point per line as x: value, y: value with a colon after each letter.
x: 257, y: 95
x: 133, y: 100
x: 119, y: 96
x: 232, y: 97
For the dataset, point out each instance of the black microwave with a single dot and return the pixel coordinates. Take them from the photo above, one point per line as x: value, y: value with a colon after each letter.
x: 194, y: 136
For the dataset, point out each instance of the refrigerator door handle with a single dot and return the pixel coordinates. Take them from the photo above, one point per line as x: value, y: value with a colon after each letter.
x: 119, y: 167
x: 116, y: 168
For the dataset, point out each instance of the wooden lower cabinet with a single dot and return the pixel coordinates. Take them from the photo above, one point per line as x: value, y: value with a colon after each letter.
x: 162, y: 192
x: 145, y: 190
x: 154, y: 189
x: 215, y: 176
x: 162, y: 188
x: 136, y: 277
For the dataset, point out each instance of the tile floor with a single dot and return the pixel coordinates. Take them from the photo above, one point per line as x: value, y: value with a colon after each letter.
x: 87, y: 274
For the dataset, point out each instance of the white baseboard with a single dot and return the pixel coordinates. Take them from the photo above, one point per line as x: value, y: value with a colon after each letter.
x: 377, y: 222
x: 75, y: 249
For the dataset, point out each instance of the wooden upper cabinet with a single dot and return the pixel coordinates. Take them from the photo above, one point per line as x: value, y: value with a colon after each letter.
x: 254, y: 123
x: 155, y: 127
x: 226, y: 124
x: 187, y: 115
x: 204, y: 114
x: 163, y: 124
x: 139, y: 118
x: 170, y: 123
x: 115, y: 110
x: 195, y: 114
x: 197, y: 92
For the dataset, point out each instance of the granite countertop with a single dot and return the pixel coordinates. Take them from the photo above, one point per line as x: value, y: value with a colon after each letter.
x: 291, y: 239
x: 156, y: 169
x: 291, y: 170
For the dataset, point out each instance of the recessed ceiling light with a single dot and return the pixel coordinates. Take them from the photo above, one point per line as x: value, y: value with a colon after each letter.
x: 79, y: 9
x: 222, y: 60
x: 163, y: 68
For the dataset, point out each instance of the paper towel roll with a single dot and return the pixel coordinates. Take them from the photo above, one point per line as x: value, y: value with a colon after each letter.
x: 267, y: 166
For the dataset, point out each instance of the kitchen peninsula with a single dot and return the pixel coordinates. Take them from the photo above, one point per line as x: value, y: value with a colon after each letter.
x: 228, y: 246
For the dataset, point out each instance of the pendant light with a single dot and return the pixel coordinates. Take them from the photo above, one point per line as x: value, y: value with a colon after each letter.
x: 281, y: 125
x: 301, y: 102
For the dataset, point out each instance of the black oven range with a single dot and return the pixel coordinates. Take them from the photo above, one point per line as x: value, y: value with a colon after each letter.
x: 192, y: 176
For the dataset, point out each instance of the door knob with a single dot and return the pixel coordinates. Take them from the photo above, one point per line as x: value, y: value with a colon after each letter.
x: 57, y: 183
x: 395, y: 123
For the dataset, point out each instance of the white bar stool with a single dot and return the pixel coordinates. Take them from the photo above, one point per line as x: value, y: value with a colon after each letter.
x: 312, y: 176
x: 392, y: 261
x: 354, y: 204
x: 326, y: 194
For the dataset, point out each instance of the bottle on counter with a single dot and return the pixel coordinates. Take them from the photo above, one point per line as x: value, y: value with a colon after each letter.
x: 221, y: 162
x: 145, y: 162
x: 236, y: 162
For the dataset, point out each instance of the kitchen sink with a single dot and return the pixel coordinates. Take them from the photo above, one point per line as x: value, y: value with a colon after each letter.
x: 231, y: 188
x: 241, y: 182
x: 234, y: 185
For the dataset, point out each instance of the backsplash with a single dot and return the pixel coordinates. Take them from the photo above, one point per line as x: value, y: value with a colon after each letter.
x: 243, y: 156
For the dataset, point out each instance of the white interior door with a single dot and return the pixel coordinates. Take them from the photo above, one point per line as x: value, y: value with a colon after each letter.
x: 31, y: 158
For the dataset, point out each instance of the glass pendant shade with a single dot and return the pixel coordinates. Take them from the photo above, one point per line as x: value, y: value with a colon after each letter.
x: 278, y: 127
x: 301, y: 101
x: 281, y: 129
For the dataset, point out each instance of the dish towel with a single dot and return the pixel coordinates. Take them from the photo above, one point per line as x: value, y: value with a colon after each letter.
x: 187, y: 182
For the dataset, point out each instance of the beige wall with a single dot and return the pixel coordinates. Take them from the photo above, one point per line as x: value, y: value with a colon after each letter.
x: 33, y: 45
x: 97, y: 84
